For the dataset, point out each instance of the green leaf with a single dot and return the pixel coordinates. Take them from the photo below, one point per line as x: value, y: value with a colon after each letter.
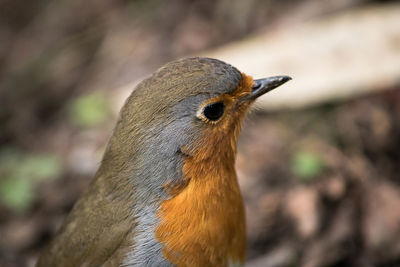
x: 40, y: 167
x: 89, y: 110
x: 306, y: 165
x: 19, y: 175
x: 17, y: 193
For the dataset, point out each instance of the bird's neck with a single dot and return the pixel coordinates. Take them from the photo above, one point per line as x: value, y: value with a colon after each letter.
x: 204, y: 223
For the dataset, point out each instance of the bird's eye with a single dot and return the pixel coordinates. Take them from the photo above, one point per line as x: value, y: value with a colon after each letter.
x: 214, y: 111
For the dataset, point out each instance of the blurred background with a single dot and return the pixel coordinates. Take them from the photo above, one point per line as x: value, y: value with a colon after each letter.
x: 319, y: 158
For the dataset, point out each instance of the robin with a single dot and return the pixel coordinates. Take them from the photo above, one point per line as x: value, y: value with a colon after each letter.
x: 166, y: 192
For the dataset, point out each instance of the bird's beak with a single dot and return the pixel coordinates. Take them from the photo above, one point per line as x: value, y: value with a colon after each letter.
x: 262, y: 86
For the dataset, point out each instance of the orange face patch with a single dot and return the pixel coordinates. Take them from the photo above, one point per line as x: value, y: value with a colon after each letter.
x: 203, y: 224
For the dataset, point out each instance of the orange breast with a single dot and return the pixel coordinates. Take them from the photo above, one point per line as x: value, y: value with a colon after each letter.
x: 204, y: 225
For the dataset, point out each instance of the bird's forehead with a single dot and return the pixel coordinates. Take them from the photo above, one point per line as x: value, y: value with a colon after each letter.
x: 197, y: 76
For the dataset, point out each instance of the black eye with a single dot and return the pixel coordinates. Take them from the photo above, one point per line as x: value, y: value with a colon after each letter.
x: 214, y: 111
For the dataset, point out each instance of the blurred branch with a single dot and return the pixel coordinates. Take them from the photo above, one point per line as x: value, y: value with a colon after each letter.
x: 339, y: 56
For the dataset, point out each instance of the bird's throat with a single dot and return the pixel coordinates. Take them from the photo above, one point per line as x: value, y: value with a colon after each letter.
x: 203, y: 224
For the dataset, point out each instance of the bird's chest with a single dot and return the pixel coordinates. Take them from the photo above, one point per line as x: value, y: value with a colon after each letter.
x: 204, y: 225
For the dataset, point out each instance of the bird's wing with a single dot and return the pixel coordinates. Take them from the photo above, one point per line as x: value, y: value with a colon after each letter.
x: 97, y: 231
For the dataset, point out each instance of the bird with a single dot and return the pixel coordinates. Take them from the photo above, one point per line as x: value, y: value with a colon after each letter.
x: 166, y: 192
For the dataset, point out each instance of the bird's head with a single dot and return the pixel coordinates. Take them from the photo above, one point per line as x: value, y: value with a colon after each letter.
x: 188, y: 108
